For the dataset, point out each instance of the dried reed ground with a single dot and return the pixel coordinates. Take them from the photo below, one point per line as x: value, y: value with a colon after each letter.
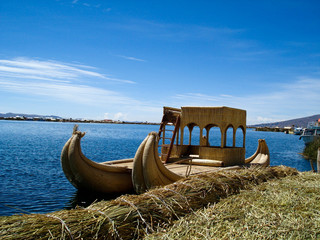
x: 135, y: 216
x: 278, y: 209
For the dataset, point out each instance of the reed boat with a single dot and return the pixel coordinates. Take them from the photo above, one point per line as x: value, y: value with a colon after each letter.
x: 85, y: 174
x: 187, y: 148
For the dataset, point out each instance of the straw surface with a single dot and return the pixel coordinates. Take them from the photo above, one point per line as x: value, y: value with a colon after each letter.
x: 134, y: 216
x: 286, y: 209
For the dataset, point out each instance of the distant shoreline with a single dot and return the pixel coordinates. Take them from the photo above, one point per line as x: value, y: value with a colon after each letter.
x: 263, y: 129
x: 76, y: 121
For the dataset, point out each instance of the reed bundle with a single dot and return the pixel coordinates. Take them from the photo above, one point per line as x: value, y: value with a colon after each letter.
x: 286, y: 209
x: 133, y: 216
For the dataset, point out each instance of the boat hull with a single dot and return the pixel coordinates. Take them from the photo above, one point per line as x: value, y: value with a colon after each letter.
x: 88, y: 175
x: 309, y: 138
x: 149, y: 171
x: 143, y: 172
x: 311, y: 133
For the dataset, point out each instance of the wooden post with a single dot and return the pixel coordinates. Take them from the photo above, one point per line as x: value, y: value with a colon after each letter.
x: 311, y: 163
x: 318, y: 161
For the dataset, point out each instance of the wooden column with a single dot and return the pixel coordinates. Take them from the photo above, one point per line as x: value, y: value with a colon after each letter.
x: 182, y: 136
x: 223, y: 138
x: 177, y: 137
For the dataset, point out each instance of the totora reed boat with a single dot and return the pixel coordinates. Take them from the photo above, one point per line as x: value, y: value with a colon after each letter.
x: 179, y: 156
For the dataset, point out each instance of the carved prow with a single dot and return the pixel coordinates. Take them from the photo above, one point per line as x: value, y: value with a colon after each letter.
x: 261, y: 156
x: 148, y: 170
x: 89, y: 175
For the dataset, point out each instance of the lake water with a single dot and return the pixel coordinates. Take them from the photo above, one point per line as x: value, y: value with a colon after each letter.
x: 31, y: 178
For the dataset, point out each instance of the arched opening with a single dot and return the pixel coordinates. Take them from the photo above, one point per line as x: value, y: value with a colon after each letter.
x: 240, y: 138
x: 214, y: 136
x: 229, y: 140
x: 204, y: 138
x: 195, y: 135
x: 186, y: 136
x: 191, y: 134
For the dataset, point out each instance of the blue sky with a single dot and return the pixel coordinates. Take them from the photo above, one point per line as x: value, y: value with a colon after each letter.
x: 125, y: 60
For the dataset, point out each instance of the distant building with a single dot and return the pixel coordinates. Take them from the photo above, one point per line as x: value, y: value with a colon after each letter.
x: 18, y: 118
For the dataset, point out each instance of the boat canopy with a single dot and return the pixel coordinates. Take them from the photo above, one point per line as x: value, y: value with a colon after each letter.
x: 186, y: 119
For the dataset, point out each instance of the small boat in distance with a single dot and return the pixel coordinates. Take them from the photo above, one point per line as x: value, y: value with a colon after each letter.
x: 311, y: 133
x: 180, y: 156
x: 298, y: 131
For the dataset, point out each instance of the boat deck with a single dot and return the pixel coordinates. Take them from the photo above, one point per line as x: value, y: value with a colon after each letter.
x: 182, y: 169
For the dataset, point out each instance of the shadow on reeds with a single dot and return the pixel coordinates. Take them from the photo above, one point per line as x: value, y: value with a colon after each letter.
x: 82, y: 198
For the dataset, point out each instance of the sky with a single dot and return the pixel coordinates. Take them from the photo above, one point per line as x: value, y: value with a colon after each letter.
x: 125, y: 60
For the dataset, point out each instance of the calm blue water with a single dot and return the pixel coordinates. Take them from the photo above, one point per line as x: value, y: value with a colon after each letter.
x: 31, y: 178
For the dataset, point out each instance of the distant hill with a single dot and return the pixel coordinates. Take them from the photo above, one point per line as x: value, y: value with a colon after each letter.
x: 11, y: 115
x: 298, y: 122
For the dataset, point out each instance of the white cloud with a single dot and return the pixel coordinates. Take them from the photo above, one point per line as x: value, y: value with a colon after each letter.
x: 117, y: 116
x: 120, y: 116
x: 260, y: 119
x: 177, y: 32
x: 49, y: 70
x: 132, y: 58
x: 106, y: 116
x: 199, y: 99
x: 70, y: 92
x: 77, y: 86
x: 61, y: 81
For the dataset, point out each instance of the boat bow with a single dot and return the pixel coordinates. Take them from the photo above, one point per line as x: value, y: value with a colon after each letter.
x: 261, y: 156
x: 86, y: 174
x: 148, y: 170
